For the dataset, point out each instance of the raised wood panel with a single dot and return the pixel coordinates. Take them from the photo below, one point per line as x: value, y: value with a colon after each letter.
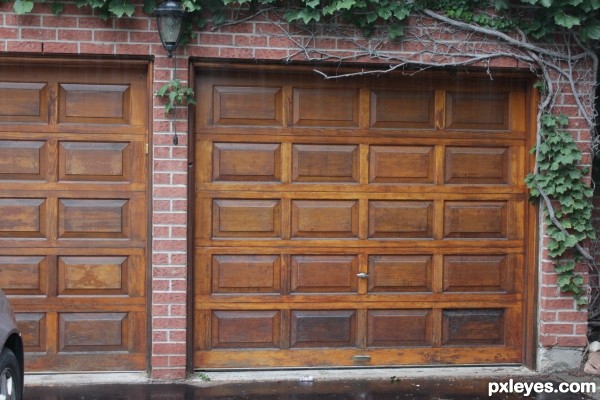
x: 23, y: 160
x: 483, y: 111
x: 33, y: 331
x: 245, y: 329
x: 246, y: 273
x: 246, y: 218
x: 324, y: 274
x: 323, y: 328
x: 324, y: 219
x: 246, y: 162
x: 93, y: 275
x: 247, y: 105
x: 399, y: 328
x: 473, y: 327
x: 89, y: 161
x: 23, y: 102
x: 477, y: 165
x: 24, y: 275
x: 23, y: 218
x: 325, y: 163
x: 476, y: 273
x: 333, y: 107
x: 476, y: 220
x: 402, y: 109
x: 400, y: 219
x: 401, y: 164
x: 400, y: 273
x: 93, y: 331
x: 82, y: 218
x: 94, y: 103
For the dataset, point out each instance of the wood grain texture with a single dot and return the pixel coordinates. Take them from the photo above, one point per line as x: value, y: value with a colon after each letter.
x: 73, y: 212
x: 399, y: 231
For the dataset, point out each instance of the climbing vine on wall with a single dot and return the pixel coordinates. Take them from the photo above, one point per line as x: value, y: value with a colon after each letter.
x: 569, y: 223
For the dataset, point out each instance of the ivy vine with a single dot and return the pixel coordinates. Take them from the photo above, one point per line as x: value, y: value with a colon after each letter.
x: 175, y: 93
x: 569, y: 222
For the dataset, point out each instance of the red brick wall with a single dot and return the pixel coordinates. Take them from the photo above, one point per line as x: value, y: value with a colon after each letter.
x: 76, y: 32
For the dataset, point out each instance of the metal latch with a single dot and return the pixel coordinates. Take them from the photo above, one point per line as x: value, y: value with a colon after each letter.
x: 362, y: 275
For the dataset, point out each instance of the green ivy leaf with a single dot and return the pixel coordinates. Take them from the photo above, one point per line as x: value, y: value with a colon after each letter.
x: 56, y: 7
x: 23, y: 6
x: 566, y: 20
x: 121, y: 7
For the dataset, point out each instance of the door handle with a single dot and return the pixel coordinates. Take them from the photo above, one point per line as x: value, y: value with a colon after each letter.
x: 362, y: 275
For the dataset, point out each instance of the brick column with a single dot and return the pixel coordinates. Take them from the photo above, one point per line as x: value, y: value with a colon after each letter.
x: 169, y: 230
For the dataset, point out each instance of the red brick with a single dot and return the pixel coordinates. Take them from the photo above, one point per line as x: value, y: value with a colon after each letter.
x: 62, y: 21
x: 235, y: 52
x: 203, y: 51
x: 572, y: 316
x: 95, y: 22
x: 178, y: 310
x: 158, y: 258
x: 178, y: 336
x: 558, y: 304
x: 572, y: 341
x: 9, y: 33
x: 130, y: 49
x: 93, y: 48
x: 168, y: 374
x: 60, y: 47
x: 169, y: 323
x: 27, y: 20
x: 169, y: 272
x: 160, y: 336
x: 168, y: 348
x: 160, y: 361
x: 169, y: 245
x: 170, y: 192
x: 170, y: 165
x: 161, y: 179
x: 169, y: 298
x: 557, y: 329
x: 169, y: 218
x: 180, y: 259
x: 160, y: 310
x: 547, y: 316
x: 548, y: 341
x: 145, y: 37
x: 179, y: 285
x: 111, y: 36
x: 80, y: 35
x: 270, y: 54
x: 141, y: 24
x: 25, y: 47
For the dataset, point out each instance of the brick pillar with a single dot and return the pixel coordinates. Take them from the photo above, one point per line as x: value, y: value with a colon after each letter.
x: 169, y: 231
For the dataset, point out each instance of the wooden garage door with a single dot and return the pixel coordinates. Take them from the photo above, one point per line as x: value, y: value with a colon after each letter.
x: 73, y: 211
x: 360, y: 222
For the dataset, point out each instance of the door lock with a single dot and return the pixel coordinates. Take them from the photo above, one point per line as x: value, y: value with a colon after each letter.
x: 362, y: 275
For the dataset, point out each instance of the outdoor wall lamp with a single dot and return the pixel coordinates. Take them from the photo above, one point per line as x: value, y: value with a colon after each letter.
x: 169, y: 19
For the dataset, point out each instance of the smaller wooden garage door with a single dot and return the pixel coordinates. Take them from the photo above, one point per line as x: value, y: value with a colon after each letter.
x: 361, y: 222
x: 73, y: 211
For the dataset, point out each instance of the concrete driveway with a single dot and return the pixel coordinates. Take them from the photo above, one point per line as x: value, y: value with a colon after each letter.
x: 393, y: 388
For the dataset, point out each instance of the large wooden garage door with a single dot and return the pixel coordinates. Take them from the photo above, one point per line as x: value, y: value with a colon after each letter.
x: 362, y: 222
x: 73, y: 211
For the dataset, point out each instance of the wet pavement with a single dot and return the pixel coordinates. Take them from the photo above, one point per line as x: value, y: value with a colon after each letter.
x: 417, y: 389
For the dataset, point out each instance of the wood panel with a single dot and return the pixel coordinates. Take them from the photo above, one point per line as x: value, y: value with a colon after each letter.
x: 375, y: 223
x: 73, y: 211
